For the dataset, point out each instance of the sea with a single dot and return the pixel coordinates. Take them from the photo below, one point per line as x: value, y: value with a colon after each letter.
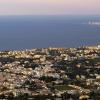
x: 27, y: 32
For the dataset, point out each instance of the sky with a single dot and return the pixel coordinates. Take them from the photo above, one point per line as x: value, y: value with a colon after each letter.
x: 49, y: 7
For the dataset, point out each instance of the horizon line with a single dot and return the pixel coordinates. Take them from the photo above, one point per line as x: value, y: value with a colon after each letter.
x: 50, y: 15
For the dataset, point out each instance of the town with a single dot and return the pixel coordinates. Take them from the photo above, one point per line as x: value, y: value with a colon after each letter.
x: 50, y: 74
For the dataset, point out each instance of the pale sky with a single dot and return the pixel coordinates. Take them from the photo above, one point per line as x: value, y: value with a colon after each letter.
x: 49, y: 7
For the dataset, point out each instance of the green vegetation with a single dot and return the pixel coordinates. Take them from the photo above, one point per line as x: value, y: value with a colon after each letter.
x: 63, y: 87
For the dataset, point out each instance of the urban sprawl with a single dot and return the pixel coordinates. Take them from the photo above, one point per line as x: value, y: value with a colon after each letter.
x: 50, y: 74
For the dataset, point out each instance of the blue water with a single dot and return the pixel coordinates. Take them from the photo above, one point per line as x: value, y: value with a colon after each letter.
x: 20, y: 32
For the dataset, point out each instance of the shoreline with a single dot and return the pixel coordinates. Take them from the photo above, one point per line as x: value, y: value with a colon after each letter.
x: 24, y: 49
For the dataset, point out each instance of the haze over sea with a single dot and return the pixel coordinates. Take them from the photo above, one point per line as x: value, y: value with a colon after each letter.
x: 26, y: 32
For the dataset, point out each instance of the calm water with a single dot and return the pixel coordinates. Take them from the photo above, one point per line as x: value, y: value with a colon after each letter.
x: 20, y: 32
